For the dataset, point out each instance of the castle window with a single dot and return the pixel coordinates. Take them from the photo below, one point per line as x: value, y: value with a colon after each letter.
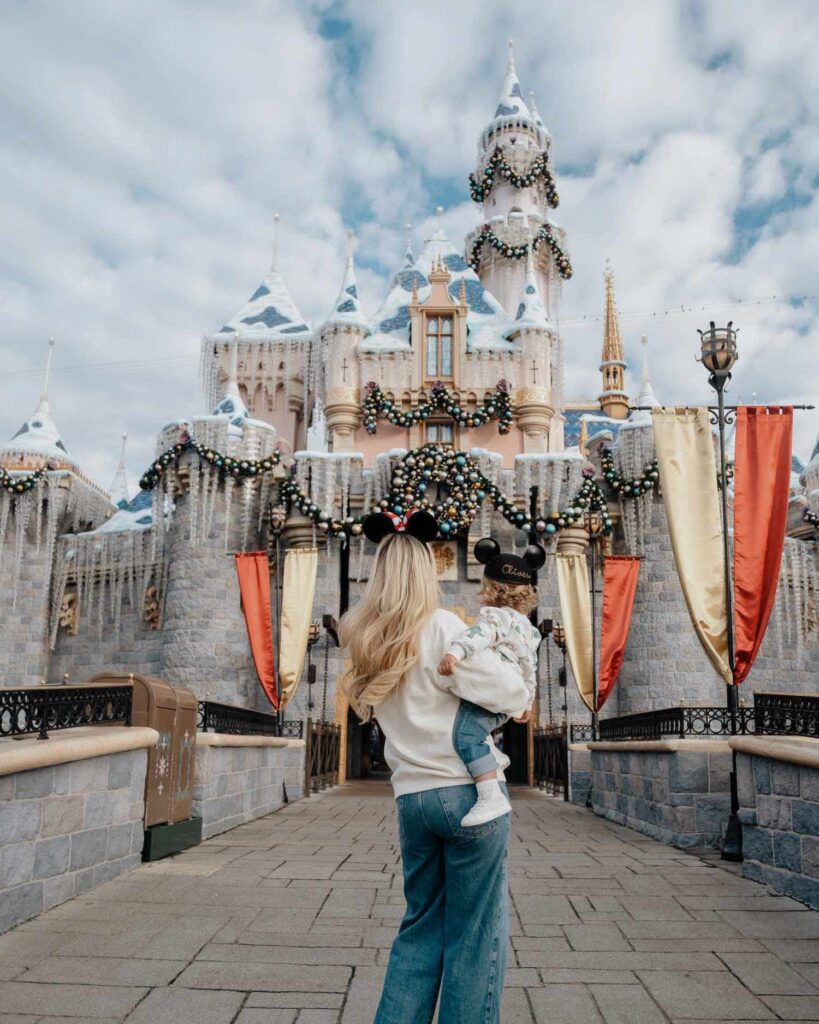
x: 438, y: 355
x: 440, y: 433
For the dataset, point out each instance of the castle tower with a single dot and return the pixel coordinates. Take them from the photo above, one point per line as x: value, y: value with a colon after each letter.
x: 613, y: 398
x: 514, y: 183
x: 534, y: 405
x: 119, y: 489
x: 272, y: 343
x: 339, y: 338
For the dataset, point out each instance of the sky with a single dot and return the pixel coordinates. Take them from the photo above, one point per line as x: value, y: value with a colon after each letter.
x: 145, y: 146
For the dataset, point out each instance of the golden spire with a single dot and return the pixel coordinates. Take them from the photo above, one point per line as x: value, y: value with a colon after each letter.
x: 612, y: 346
x: 613, y: 399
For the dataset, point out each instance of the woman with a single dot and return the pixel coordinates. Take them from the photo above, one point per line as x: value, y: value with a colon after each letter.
x: 453, y: 937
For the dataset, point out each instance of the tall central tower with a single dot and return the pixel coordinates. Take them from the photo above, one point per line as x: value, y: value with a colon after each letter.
x: 514, y: 183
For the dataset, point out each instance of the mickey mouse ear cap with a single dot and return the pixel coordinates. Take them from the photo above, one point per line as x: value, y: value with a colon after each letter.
x: 509, y: 568
x: 417, y: 523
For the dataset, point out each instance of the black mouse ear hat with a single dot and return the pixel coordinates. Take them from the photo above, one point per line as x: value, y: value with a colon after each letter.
x: 417, y: 523
x: 509, y: 568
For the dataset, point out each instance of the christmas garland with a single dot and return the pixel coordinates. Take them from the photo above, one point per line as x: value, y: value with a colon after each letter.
x: 498, y: 406
x: 811, y: 517
x: 499, y: 168
x: 225, y: 463
x: 20, y: 484
x: 468, y: 488
x: 520, y: 252
x: 641, y: 484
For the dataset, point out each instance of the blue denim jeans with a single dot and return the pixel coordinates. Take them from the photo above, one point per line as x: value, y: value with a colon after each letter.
x: 454, y: 935
x: 472, y: 725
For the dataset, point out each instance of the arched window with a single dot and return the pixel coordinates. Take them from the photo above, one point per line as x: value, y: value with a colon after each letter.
x: 438, y: 352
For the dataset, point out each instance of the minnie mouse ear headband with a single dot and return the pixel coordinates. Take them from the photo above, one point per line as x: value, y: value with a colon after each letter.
x: 509, y: 568
x: 416, y: 523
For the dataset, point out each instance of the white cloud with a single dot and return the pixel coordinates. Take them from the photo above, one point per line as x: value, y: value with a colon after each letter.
x: 144, y: 148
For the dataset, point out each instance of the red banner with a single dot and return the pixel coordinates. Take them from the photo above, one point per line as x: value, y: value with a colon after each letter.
x: 620, y: 574
x: 762, y: 475
x: 254, y: 583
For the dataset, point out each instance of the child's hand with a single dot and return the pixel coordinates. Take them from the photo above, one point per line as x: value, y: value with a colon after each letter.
x: 447, y: 665
x: 524, y: 718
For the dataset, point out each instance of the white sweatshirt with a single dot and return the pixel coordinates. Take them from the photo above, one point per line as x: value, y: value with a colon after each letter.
x: 418, y: 720
x: 506, y: 631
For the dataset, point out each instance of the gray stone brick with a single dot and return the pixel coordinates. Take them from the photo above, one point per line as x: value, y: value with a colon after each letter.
x: 51, y: 856
x: 106, y: 808
x: 16, y: 864
x: 784, y: 778
x: 810, y: 855
x: 773, y: 812
x: 20, y: 819
x: 88, y: 847
x: 19, y: 904
x: 36, y: 783
x: 89, y: 776
x: 120, y: 767
x: 762, y: 774
x: 787, y: 851
x: 805, y: 817
x: 757, y: 845
x: 688, y: 772
x: 57, y: 890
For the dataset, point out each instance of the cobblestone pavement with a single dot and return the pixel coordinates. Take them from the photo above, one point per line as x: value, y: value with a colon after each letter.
x: 288, y: 920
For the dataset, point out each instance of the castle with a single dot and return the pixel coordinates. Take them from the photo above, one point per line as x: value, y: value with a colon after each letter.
x: 452, y: 391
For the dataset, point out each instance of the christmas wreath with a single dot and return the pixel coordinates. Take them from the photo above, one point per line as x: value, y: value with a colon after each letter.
x: 20, y: 484
x: 520, y: 252
x: 239, y: 468
x: 497, y: 406
x: 498, y: 168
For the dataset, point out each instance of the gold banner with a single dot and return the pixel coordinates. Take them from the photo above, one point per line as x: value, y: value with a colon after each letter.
x: 688, y: 476
x: 298, y: 589
x: 575, y: 608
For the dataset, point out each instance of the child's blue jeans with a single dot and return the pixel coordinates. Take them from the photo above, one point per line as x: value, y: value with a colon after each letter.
x: 472, y: 725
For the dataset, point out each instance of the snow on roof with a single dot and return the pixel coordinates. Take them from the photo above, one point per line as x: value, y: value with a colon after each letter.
x: 269, y: 313
x: 531, y: 312
x: 135, y: 515
x: 347, y: 307
x: 487, y: 322
x: 510, y: 101
x: 38, y: 438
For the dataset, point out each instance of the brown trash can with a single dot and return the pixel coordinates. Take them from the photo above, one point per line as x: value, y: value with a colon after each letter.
x: 173, y: 712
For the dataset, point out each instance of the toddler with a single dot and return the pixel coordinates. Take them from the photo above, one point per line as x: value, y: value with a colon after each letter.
x: 507, y: 595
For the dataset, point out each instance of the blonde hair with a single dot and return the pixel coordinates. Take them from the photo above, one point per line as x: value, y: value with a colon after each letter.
x: 381, y: 634
x: 520, y: 596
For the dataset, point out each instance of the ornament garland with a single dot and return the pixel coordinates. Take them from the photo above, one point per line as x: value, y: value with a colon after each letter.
x: 646, y: 481
x: 498, y: 406
x: 225, y: 463
x: 498, y: 168
x: 519, y: 252
x: 811, y: 517
x: 467, y: 489
x: 21, y: 484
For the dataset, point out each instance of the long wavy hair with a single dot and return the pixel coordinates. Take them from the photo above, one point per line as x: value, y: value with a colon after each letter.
x: 381, y: 633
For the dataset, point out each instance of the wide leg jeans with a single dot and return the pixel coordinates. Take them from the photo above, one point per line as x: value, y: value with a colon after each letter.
x: 454, y: 935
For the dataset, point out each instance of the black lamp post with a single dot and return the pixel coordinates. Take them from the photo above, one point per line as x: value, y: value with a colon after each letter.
x: 719, y: 353
x: 593, y: 524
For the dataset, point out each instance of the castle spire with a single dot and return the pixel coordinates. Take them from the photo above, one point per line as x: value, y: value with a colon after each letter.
x: 347, y: 308
x: 119, y: 490
x: 613, y: 399
x: 531, y: 310
x: 510, y: 101
x: 274, y: 259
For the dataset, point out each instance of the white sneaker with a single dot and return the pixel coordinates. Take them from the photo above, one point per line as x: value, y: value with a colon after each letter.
x: 491, y: 804
x: 501, y: 758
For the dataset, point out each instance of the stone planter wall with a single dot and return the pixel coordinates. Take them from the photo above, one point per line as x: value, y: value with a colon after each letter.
x: 580, y: 773
x: 239, y: 778
x: 67, y: 827
x: 676, y: 791
x: 778, y: 781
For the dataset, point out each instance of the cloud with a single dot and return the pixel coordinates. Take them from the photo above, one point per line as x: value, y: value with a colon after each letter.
x: 145, y: 147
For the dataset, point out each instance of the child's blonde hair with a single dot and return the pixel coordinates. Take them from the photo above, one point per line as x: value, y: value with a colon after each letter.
x: 520, y: 596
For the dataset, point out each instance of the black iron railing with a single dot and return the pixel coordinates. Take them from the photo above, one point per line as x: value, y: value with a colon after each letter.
x: 772, y: 714
x: 40, y: 709
x: 786, y: 714
x: 552, y: 759
x: 321, y: 761
x: 581, y: 733
x: 238, y: 721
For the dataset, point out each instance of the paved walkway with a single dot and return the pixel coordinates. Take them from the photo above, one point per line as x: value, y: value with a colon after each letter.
x: 288, y: 920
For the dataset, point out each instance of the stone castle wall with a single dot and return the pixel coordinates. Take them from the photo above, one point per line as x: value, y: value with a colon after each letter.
x: 23, y: 651
x: 134, y: 647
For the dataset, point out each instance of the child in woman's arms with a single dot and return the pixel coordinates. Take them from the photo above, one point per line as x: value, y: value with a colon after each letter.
x: 507, y: 595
